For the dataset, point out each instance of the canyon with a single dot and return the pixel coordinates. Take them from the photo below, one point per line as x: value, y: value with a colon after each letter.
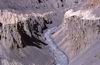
x: 49, y: 32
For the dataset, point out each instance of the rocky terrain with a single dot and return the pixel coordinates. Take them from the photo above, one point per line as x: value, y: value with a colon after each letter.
x: 49, y: 32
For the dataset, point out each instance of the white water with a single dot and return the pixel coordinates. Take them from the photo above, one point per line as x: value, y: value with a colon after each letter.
x: 60, y: 56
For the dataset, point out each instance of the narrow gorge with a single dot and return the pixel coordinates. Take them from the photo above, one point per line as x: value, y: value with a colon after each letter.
x: 49, y: 32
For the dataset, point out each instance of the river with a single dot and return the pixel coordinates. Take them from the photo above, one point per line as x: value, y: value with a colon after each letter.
x: 60, y: 57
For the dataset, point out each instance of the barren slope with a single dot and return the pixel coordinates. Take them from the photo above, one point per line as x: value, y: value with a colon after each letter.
x: 23, y: 24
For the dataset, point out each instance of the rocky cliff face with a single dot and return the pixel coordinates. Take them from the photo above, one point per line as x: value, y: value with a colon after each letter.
x: 23, y: 24
x: 80, y: 29
x: 76, y: 35
x: 22, y: 39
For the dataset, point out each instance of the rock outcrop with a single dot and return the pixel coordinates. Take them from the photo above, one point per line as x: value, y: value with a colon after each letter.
x: 24, y: 22
x: 76, y: 35
x: 21, y: 40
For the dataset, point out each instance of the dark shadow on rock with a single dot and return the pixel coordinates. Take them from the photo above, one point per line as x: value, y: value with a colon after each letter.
x: 26, y: 39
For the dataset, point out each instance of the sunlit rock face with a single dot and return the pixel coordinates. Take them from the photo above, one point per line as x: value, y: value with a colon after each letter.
x: 23, y: 24
x: 22, y: 41
x: 76, y: 35
x: 79, y: 30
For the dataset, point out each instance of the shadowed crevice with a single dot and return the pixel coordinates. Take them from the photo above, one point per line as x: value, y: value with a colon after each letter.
x: 26, y: 39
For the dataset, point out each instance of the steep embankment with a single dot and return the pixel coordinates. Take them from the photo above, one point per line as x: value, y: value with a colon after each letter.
x: 79, y: 32
x: 22, y: 42
x: 23, y: 23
